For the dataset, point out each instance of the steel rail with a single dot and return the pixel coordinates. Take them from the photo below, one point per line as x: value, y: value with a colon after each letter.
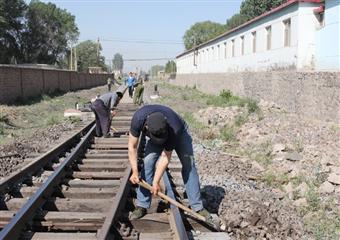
x: 14, y: 228
x: 41, y: 161
x: 105, y: 232
x: 176, y: 217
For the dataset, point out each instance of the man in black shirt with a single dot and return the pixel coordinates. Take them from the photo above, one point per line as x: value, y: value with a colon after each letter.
x: 164, y: 131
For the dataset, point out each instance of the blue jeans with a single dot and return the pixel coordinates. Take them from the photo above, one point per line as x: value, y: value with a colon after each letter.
x: 185, y: 153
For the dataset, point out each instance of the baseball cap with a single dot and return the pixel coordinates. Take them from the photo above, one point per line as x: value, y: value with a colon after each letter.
x: 157, y: 128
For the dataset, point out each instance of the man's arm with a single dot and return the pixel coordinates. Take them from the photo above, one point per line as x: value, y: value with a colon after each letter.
x: 132, y: 145
x: 161, y: 167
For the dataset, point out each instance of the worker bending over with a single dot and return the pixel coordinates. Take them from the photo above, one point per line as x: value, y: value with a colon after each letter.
x: 163, y: 131
x: 103, y: 108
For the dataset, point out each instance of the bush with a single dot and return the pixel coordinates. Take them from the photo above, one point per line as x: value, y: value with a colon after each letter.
x: 52, y: 120
x: 252, y: 106
x: 228, y: 133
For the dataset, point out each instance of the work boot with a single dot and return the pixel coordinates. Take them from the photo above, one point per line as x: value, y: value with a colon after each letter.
x: 208, y: 218
x: 138, y: 213
x: 204, y: 212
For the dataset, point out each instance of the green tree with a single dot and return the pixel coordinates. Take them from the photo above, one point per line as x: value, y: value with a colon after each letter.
x: 118, y: 62
x: 50, y: 30
x: 235, y: 21
x: 201, y: 32
x: 170, y: 67
x: 253, y: 8
x: 155, y: 69
x: 87, y: 55
x: 11, y: 26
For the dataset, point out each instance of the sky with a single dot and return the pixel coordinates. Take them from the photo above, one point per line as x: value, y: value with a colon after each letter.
x: 143, y: 29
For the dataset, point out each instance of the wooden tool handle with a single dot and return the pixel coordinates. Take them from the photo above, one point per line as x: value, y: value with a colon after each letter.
x: 172, y: 201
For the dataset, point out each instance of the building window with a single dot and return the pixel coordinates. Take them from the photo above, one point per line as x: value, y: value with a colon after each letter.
x: 242, y: 45
x: 287, y: 34
x: 269, y: 37
x: 212, y: 54
x: 254, y: 41
x: 218, y: 52
x: 233, y: 48
x: 225, y: 50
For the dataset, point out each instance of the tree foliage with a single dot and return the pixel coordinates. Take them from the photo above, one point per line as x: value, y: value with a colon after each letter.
x: 118, y: 62
x: 49, y: 32
x: 11, y: 26
x: 235, y: 21
x: 87, y: 55
x: 170, y: 67
x: 202, y: 32
x: 37, y: 33
x: 205, y: 31
x: 253, y: 8
x: 155, y: 69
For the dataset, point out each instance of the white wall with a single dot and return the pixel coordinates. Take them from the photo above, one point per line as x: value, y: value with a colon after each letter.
x: 328, y: 39
x: 299, y: 54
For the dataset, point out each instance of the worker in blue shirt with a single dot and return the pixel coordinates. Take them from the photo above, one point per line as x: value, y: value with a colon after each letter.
x: 131, y: 80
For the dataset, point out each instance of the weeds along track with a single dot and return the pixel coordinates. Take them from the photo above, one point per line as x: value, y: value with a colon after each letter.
x: 80, y: 190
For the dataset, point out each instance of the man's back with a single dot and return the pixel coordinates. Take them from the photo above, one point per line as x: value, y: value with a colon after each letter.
x: 109, y: 99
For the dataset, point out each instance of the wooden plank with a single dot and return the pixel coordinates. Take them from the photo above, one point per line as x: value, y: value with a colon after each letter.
x: 65, y: 204
x: 70, y: 192
x: 106, y: 156
x: 211, y: 236
x: 152, y: 223
x: 98, y: 175
x: 61, y: 236
x: 111, y: 140
x: 74, y: 221
x: 156, y: 236
x: 112, y: 152
x: 105, y: 161
x: 92, y: 183
x: 109, y: 146
x: 100, y: 167
x: 63, y: 217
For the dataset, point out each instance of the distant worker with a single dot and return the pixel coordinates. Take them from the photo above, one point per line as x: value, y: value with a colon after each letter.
x: 109, y: 83
x: 163, y: 131
x: 130, y: 83
x: 139, y: 89
x: 103, y: 108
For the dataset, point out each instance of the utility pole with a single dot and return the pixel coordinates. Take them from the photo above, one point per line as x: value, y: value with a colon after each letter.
x: 71, y: 60
x: 98, y: 52
x: 75, y: 59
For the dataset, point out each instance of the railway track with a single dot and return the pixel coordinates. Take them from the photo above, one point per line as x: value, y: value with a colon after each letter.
x: 80, y: 190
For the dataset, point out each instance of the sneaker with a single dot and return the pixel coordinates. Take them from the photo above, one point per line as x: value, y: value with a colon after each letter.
x: 138, y: 213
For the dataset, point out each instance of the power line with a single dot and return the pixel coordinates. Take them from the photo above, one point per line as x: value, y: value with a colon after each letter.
x: 151, y: 1
x: 143, y: 59
x: 143, y: 41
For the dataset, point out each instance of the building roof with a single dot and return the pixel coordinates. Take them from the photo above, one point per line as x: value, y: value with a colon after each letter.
x: 274, y: 10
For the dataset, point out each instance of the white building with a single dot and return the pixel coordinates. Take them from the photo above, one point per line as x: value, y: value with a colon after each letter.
x: 283, y: 38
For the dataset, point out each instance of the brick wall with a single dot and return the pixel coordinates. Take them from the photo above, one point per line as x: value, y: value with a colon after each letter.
x: 21, y: 83
x: 315, y: 95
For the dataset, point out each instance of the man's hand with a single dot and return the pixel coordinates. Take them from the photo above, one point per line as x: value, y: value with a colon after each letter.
x: 134, y: 178
x: 155, y: 188
x: 113, y: 113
